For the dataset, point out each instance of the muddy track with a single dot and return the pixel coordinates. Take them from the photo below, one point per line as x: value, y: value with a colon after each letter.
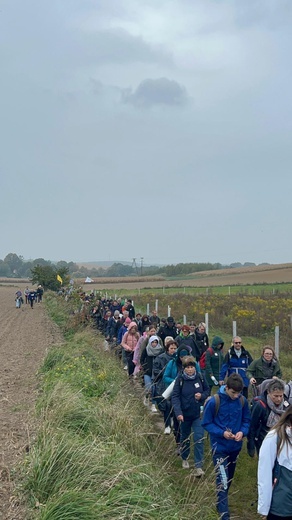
x: 25, y: 336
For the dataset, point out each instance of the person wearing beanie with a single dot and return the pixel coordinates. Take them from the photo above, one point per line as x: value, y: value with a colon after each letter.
x: 159, y: 365
x: 189, y: 394
x: 214, y: 361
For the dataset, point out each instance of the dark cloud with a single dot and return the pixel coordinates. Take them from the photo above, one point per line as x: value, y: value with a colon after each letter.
x: 161, y: 91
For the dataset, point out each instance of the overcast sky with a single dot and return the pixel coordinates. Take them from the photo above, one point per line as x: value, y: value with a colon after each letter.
x: 146, y: 128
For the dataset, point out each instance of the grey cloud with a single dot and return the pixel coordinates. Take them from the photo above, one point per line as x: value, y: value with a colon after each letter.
x: 161, y: 91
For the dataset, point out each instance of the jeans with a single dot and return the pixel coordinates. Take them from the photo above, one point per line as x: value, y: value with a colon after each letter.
x: 148, y: 386
x: 225, y: 464
x: 198, y: 434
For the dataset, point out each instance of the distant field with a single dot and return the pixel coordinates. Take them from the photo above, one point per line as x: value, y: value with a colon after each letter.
x: 259, y: 275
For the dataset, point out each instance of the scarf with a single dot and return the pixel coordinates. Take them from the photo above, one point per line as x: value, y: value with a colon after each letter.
x: 154, y: 351
x: 275, y: 413
x: 187, y: 377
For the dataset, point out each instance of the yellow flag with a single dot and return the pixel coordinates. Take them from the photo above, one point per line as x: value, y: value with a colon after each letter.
x: 59, y: 279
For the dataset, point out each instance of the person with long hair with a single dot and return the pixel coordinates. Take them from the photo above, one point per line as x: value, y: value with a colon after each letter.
x: 265, y: 367
x: 275, y: 471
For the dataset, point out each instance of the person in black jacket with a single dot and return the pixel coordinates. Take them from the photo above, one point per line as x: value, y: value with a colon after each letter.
x: 201, y: 339
x: 169, y: 329
x: 164, y: 405
x: 189, y: 394
x: 266, y: 412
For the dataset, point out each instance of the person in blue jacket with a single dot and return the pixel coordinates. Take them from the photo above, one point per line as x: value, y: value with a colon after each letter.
x: 237, y: 360
x: 174, y: 366
x: 227, y: 419
x: 189, y: 394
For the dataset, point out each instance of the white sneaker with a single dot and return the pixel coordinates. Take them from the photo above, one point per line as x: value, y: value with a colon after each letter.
x: 125, y: 367
x: 167, y: 430
x: 185, y: 464
x: 146, y: 400
x: 153, y: 408
x: 199, y: 472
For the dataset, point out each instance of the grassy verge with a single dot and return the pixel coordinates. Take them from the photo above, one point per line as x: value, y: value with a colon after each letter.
x: 98, y: 453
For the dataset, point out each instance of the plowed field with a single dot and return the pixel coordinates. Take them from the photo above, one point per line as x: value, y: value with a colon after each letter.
x: 25, y: 336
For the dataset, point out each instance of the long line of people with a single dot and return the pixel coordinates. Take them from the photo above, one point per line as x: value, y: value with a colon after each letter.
x: 210, y: 392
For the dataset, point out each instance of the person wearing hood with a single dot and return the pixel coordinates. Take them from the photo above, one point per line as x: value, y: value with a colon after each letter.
x: 184, y: 338
x: 159, y: 365
x: 148, y: 355
x: 189, y: 394
x: 143, y: 342
x: 227, y: 419
x: 275, y: 471
x: 129, y: 342
x: 214, y: 361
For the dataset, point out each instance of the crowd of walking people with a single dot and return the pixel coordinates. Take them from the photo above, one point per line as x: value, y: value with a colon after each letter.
x: 31, y: 296
x: 199, y: 387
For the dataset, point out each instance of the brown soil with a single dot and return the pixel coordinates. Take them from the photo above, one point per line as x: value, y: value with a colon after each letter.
x: 25, y: 336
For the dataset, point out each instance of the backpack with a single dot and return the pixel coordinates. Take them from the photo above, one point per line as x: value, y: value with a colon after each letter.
x: 202, y: 361
x: 217, y: 402
x: 257, y: 399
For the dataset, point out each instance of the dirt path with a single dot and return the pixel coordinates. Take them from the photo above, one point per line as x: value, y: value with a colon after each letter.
x: 25, y: 336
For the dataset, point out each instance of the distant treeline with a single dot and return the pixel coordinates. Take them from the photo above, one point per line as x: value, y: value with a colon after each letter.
x: 14, y: 266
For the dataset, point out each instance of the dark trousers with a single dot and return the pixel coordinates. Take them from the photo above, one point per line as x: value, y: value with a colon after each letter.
x: 165, y: 407
x: 225, y: 464
x: 131, y: 366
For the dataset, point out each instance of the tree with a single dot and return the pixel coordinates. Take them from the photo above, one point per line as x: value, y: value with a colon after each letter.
x: 4, y: 269
x: 46, y: 275
x: 14, y: 261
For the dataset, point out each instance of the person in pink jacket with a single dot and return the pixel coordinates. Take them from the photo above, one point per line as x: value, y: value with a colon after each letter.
x: 129, y: 342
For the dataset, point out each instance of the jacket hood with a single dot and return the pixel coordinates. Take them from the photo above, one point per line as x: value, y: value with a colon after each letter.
x: 183, y: 347
x: 217, y: 341
x: 132, y: 324
x: 153, y: 338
